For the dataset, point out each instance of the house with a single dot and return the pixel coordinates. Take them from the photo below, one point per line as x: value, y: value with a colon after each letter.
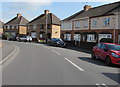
x: 16, y: 26
x: 46, y: 25
x: 1, y: 28
x: 93, y: 24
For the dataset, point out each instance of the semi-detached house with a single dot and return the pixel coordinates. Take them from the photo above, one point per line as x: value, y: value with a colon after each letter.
x: 46, y: 25
x: 16, y: 26
x: 92, y: 24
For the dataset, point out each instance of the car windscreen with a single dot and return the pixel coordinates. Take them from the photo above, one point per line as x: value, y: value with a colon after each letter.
x: 114, y: 47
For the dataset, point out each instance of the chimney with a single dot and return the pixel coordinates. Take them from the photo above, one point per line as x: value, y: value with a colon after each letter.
x: 46, y: 11
x: 19, y: 15
x: 87, y: 7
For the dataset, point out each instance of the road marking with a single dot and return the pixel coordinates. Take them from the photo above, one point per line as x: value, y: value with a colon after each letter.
x: 98, y: 85
x: 74, y: 65
x: 56, y: 52
x: 104, y: 85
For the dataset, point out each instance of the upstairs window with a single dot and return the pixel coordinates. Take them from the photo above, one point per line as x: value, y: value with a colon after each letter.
x: 77, y: 24
x: 67, y: 26
x: 5, y: 27
x: 106, y: 21
x: 34, y: 26
x: 85, y: 24
x: 41, y: 26
x: 13, y: 27
x: 94, y: 23
x: 8, y: 26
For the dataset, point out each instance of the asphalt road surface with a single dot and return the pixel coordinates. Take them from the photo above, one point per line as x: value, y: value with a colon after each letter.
x: 39, y: 64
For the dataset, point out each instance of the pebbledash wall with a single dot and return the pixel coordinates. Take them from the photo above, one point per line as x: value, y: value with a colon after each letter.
x: 92, y: 28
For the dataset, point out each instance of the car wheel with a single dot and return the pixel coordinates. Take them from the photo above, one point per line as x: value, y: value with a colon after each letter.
x: 93, y: 55
x: 108, y: 61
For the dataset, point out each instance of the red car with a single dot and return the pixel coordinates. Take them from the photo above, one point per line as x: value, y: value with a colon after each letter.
x: 107, y: 51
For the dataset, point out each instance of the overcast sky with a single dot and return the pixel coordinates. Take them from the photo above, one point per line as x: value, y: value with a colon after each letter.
x: 34, y: 8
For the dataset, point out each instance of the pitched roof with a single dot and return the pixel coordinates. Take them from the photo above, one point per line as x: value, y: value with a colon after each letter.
x: 51, y: 19
x: 97, y: 11
x: 17, y: 20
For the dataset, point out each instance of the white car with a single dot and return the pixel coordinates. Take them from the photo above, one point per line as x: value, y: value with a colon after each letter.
x: 25, y: 39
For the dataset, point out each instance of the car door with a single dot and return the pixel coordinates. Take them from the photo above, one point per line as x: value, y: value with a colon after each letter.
x: 103, y: 53
x: 97, y: 50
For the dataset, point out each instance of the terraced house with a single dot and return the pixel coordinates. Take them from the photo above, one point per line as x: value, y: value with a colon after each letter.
x: 92, y: 24
x: 46, y: 25
x: 16, y: 26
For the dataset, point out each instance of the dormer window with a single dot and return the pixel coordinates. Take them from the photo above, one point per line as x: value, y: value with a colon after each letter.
x: 77, y: 24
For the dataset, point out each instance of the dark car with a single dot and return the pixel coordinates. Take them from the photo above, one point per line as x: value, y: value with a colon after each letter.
x: 107, y: 51
x: 12, y: 39
x: 56, y: 42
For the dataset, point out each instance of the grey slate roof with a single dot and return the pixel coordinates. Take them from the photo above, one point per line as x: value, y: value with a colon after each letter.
x: 97, y: 11
x: 17, y: 20
x: 52, y: 19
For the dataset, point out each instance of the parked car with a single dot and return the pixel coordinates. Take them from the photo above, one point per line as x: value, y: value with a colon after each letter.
x: 12, y: 38
x: 24, y: 38
x: 109, y: 52
x: 57, y: 42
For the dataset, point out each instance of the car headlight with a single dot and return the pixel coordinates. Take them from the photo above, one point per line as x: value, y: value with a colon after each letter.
x: 115, y: 55
x: 58, y: 43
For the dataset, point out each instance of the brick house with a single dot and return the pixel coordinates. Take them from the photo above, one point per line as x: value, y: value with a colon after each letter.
x: 16, y: 26
x: 1, y: 28
x: 46, y: 25
x: 92, y: 24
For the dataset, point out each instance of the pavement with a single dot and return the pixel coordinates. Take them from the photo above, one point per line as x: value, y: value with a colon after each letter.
x: 7, y: 48
x: 39, y: 64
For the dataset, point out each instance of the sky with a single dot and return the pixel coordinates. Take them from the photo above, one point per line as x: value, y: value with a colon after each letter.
x: 31, y: 9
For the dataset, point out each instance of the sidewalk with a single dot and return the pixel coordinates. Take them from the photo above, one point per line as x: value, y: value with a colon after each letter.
x: 7, y: 48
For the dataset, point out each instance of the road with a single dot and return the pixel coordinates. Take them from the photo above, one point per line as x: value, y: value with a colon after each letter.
x: 39, y: 64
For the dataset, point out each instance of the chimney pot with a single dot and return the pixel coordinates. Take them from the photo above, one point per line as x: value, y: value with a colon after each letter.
x: 87, y: 7
x: 46, y: 11
x: 18, y: 15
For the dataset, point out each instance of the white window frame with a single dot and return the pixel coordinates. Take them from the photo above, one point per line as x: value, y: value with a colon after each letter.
x: 90, y: 37
x: 119, y: 39
x: 77, y: 24
x: 34, y: 26
x: 13, y: 27
x: 104, y: 36
x: 8, y: 27
x: 94, y: 23
x: 85, y: 23
x: 77, y: 37
x: 106, y: 21
x: 33, y: 34
x: 67, y: 37
x: 66, y: 25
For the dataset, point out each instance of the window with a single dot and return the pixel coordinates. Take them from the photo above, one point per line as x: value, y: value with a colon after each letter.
x: 41, y: 26
x: 103, y: 46
x: 85, y: 24
x: 94, y: 23
x: 104, y: 36
x: 67, y: 37
x: 99, y: 45
x: 90, y: 38
x: 16, y: 26
x: 33, y: 34
x: 106, y: 21
x: 34, y: 26
x: 13, y: 27
x: 77, y: 24
x: 8, y: 27
x: 28, y: 27
x: 67, y: 26
x: 4, y: 27
x: 77, y: 37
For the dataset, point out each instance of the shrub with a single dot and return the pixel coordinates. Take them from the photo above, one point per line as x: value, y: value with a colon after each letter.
x: 5, y: 36
x: 107, y: 40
